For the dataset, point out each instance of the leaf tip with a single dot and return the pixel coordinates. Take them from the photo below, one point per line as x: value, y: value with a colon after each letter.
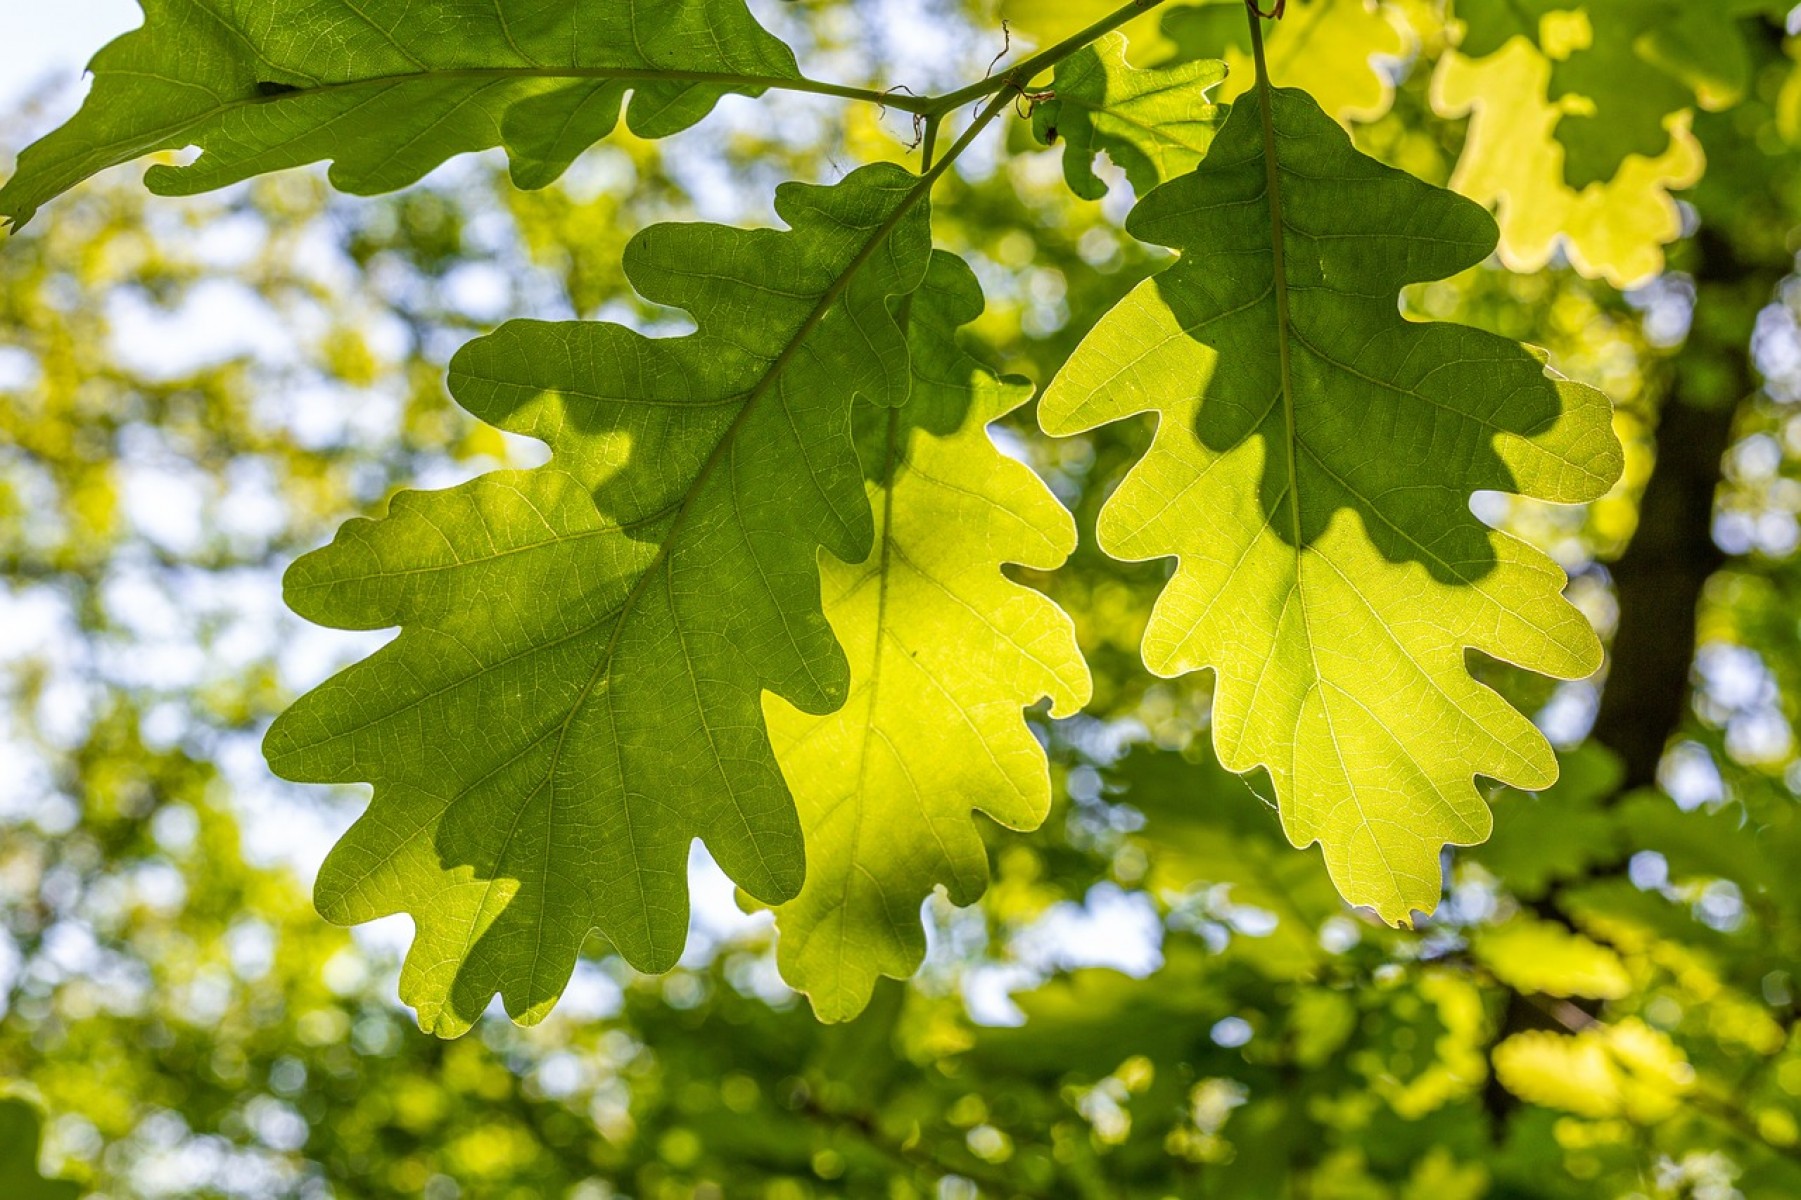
x: 14, y: 212
x: 838, y: 1005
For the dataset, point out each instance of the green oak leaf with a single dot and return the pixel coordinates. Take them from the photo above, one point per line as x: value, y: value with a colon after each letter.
x: 945, y: 651
x: 1155, y: 124
x: 389, y: 89
x: 1311, y: 475
x: 576, y: 691
x: 21, y: 1131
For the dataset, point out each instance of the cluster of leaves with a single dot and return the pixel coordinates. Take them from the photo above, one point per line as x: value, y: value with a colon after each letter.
x: 1574, y: 1022
x: 578, y: 690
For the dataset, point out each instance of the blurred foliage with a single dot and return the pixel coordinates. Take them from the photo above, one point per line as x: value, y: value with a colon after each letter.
x: 1157, y: 997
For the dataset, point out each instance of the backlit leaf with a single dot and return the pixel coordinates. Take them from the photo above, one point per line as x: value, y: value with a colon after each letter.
x: 944, y: 652
x: 576, y: 691
x: 1311, y: 475
x: 389, y: 89
x: 1624, y: 1070
x: 1614, y: 230
x: 1620, y: 69
x: 1155, y: 125
x: 1537, y: 956
x: 1332, y: 49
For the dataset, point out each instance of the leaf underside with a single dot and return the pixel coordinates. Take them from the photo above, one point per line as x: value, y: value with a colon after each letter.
x: 1311, y: 475
x: 944, y: 651
x: 1154, y: 124
x: 576, y: 691
x: 389, y: 89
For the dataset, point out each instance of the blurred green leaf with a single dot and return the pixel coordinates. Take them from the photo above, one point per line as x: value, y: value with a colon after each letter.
x: 20, y: 1131
x: 1556, y: 835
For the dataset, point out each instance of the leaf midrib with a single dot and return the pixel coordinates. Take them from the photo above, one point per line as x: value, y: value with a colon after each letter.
x: 827, y: 301
x: 1279, y: 265
x: 729, y: 80
x: 890, y: 476
x: 1279, y: 262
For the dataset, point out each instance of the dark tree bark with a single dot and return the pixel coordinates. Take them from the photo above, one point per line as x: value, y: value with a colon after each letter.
x: 1659, y: 580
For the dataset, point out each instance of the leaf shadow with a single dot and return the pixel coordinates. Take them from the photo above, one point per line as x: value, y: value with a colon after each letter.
x: 1403, y: 450
x: 1359, y: 408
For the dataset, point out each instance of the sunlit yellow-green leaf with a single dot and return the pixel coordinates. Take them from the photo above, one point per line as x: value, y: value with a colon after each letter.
x: 944, y: 652
x: 1623, y: 1070
x: 1614, y: 230
x: 1620, y: 69
x: 1154, y: 124
x: 1536, y: 956
x: 1439, y: 1176
x: 1332, y: 49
